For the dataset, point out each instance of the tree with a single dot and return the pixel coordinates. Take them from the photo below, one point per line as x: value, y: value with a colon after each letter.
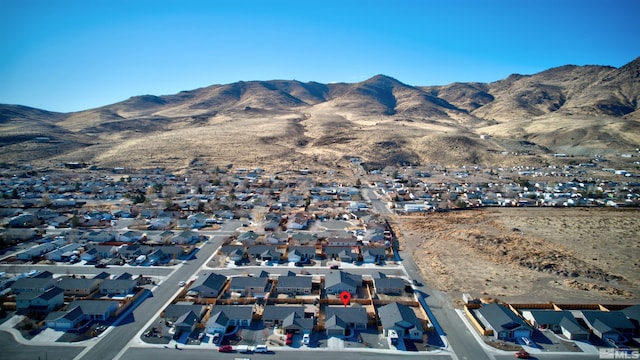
x: 75, y: 221
x: 46, y: 201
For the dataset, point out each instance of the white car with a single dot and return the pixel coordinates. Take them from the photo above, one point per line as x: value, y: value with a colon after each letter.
x: 305, y: 339
x: 182, y: 283
x: 260, y: 349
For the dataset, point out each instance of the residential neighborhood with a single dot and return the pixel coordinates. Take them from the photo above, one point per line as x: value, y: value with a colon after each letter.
x: 277, y: 251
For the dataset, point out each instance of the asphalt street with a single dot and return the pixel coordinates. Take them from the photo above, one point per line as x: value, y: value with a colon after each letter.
x: 119, y: 336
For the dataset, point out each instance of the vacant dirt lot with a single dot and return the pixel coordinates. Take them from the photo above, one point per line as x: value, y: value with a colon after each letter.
x: 529, y: 254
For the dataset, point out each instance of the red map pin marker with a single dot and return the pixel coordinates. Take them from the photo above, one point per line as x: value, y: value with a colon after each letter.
x: 345, y: 296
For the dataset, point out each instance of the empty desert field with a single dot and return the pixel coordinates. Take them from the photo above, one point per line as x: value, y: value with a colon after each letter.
x: 576, y: 255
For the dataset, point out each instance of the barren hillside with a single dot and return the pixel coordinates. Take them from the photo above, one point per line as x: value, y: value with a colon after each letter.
x: 579, y: 110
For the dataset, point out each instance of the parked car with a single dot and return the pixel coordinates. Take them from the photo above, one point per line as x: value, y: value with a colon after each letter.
x: 101, y: 266
x: 305, y: 339
x: 225, y: 348
x: 522, y: 355
x: 261, y: 349
x: 289, y: 340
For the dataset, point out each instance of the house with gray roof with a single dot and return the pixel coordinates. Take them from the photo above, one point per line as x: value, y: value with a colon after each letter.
x: 373, y: 254
x: 173, y: 311
x: 633, y: 314
x: 78, y: 286
x: 557, y: 321
x: 208, y: 285
x: 294, y: 285
x: 294, y: 323
x: 387, y: 285
x: 39, y: 302
x: 234, y: 252
x: 248, y: 238
x: 342, y: 253
x: 223, y: 316
x: 99, y: 310
x: 35, y: 252
x: 301, y: 254
x: 185, y: 237
x: 265, y: 253
x: 402, y: 320
x: 608, y: 324
x: 117, y: 287
x: 98, y: 236
x: 32, y: 285
x: 64, y: 320
x: 79, y: 311
x: 186, y: 322
x: 63, y: 253
x: 275, y: 314
x: 250, y: 286
x: 506, y: 325
x: 336, y: 282
x: 341, y: 321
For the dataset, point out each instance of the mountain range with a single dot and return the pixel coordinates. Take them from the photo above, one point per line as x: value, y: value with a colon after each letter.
x: 578, y: 110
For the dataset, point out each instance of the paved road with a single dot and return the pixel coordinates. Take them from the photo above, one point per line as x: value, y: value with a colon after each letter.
x: 457, y: 334
x: 171, y: 354
x: 119, y: 336
x: 13, y: 350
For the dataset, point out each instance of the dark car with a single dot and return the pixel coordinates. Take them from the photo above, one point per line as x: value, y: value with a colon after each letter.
x: 101, y: 266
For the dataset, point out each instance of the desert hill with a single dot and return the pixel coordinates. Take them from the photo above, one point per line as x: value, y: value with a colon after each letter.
x: 578, y: 110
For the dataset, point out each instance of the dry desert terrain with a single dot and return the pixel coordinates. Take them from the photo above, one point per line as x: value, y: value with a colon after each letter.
x: 529, y: 254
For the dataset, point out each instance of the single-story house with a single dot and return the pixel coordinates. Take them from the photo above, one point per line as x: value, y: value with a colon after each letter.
x: 506, y: 325
x: 250, y: 286
x: 373, y: 254
x: 174, y: 311
x: 608, y: 324
x: 557, y: 321
x: 186, y: 322
x: 208, y: 285
x: 340, y: 321
x: 111, y: 287
x: 233, y: 252
x: 402, y: 320
x: 633, y: 314
x: 78, y: 286
x: 78, y: 311
x: 294, y: 285
x: 35, y: 252
x: 275, y: 314
x: 387, y: 285
x: 265, y: 253
x: 301, y: 254
x: 223, y: 316
x: 342, y: 253
x: 339, y: 281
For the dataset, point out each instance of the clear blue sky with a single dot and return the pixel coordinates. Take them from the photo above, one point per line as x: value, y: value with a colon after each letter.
x: 68, y: 55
